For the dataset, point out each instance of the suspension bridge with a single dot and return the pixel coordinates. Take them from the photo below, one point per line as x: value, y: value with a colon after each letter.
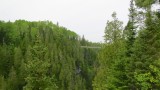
x: 94, y: 47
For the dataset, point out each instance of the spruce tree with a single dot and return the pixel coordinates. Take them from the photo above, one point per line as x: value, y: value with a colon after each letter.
x: 130, y: 29
x: 130, y: 33
x: 146, y: 56
x: 37, y: 68
x: 12, y: 82
x: 3, y: 84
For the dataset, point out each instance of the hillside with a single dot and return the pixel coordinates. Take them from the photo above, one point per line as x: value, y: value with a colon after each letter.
x: 43, y: 55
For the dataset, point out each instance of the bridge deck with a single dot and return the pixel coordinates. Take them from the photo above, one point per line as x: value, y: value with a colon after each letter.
x: 89, y: 47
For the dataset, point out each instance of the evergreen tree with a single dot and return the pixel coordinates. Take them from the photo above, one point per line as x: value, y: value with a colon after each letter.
x: 12, y: 82
x: 145, y: 55
x: 37, y: 69
x: 2, y: 83
x: 130, y: 29
x: 130, y: 37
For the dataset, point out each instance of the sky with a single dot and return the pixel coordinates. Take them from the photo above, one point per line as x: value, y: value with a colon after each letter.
x: 85, y: 17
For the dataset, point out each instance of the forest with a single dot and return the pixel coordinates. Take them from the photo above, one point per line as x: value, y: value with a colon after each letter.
x: 41, y: 55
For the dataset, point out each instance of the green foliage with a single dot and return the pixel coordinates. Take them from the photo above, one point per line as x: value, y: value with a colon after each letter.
x: 132, y: 62
x: 111, y: 59
x: 144, y: 3
x: 37, y: 68
x: 12, y: 82
x: 6, y: 60
x: 113, y: 30
x: 2, y: 83
x: 44, y: 56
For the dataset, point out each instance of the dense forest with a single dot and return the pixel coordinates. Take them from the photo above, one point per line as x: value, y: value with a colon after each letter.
x: 44, y: 56
x: 41, y: 55
x: 130, y: 59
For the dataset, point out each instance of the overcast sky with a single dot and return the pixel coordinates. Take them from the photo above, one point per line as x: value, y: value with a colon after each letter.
x: 85, y: 17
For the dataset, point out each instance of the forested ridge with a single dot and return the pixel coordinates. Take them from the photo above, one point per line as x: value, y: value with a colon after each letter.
x: 44, y: 56
x: 41, y: 55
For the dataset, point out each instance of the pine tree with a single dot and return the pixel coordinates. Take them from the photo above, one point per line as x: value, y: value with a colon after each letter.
x: 37, y: 68
x: 130, y: 37
x: 17, y: 58
x: 146, y: 54
x: 130, y: 29
x: 12, y: 82
x: 2, y: 83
